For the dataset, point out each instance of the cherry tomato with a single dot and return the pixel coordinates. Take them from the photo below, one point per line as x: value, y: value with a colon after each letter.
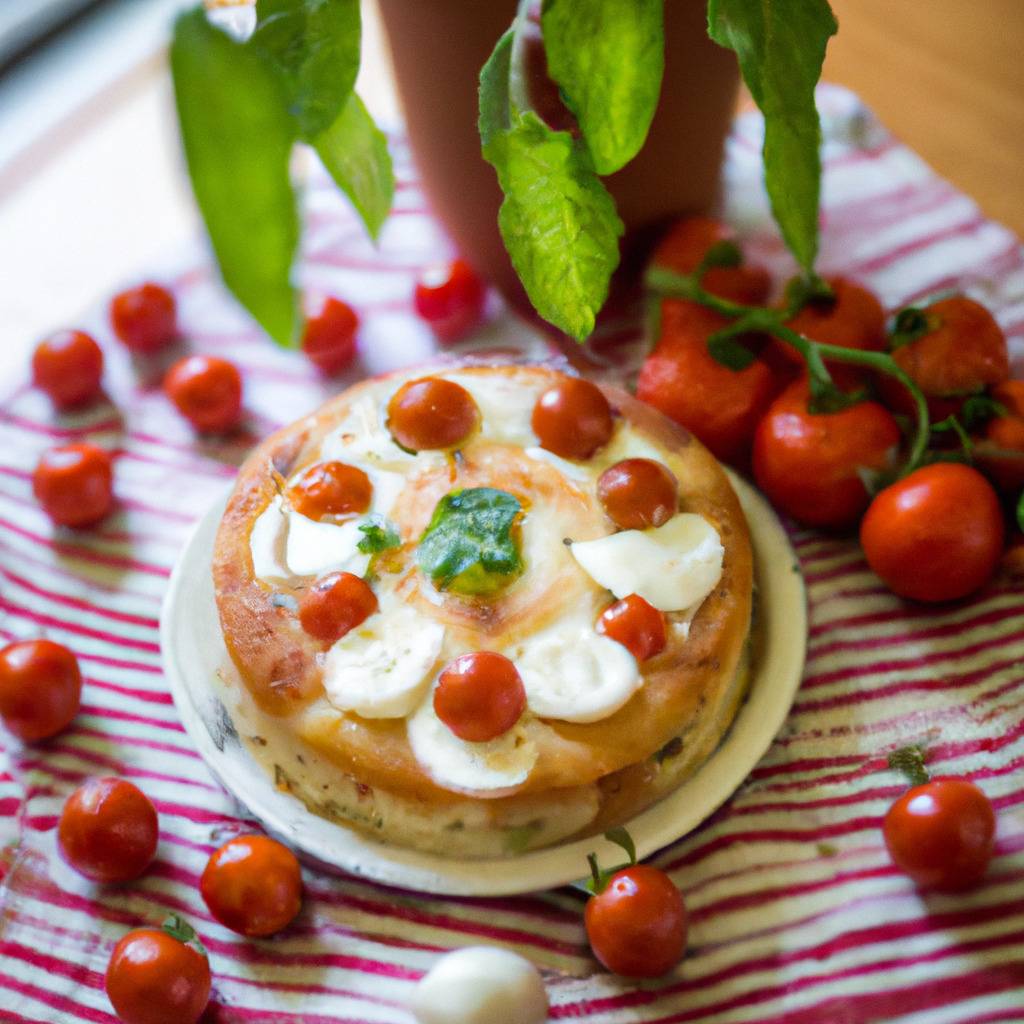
x: 635, y: 624
x: 108, y: 830
x: 450, y: 297
x: 335, y: 604
x: 74, y: 484
x: 935, y: 535
x: 638, y: 494
x: 331, y: 488
x: 1006, y: 434
x: 68, y: 366
x: 153, y: 978
x: 329, y: 338
x: 852, y: 318
x: 942, y: 834
x: 40, y: 688
x: 480, y: 696
x: 637, y: 924
x: 719, y: 406
x: 207, y: 391
x: 431, y: 413
x: 145, y: 318
x: 572, y: 419
x: 687, y: 243
x: 253, y: 885
x: 808, y: 463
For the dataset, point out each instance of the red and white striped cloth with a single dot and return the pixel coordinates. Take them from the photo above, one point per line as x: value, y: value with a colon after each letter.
x: 797, y: 915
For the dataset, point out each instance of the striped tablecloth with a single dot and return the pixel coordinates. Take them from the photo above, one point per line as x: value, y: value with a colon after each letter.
x: 797, y: 916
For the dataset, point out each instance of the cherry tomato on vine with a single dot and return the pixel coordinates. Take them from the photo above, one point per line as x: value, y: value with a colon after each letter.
x: 638, y: 493
x: 637, y: 924
x: 450, y: 297
x: 686, y: 244
x: 572, y: 419
x: 480, y: 696
x: 68, y: 366
x: 636, y: 624
x: 1005, y: 434
x: 207, y: 391
x: 74, y: 484
x: 155, y: 978
x: 331, y: 488
x: 935, y: 535
x: 942, y: 834
x: 40, y: 688
x: 108, y: 830
x: 336, y: 604
x: 809, y: 464
x: 852, y: 318
x: 145, y: 318
x: 431, y: 413
x: 329, y: 337
x: 718, y: 405
x: 253, y: 885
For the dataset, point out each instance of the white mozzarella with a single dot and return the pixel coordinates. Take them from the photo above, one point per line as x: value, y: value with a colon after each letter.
x: 580, y: 472
x: 266, y: 543
x: 363, y: 438
x: 382, y: 668
x: 674, y: 567
x: 386, y: 489
x: 481, y: 985
x: 573, y: 674
x: 505, y: 407
x: 496, y: 764
x: 314, y: 549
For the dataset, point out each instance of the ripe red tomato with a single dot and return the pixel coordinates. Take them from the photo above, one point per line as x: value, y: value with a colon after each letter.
x: 638, y: 493
x: 1005, y: 434
x: 807, y: 463
x: 431, y: 413
x: 935, y: 535
x: 145, y: 318
x: 153, y: 978
x: 637, y: 924
x: 480, y: 696
x: 719, y: 406
x: 852, y: 318
x: 207, y: 391
x: 686, y: 243
x: 331, y: 488
x: 40, y: 688
x: 572, y: 419
x: 329, y: 338
x: 68, y: 366
x: 335, y: 604
x: 942, y: 834
x: 450, y: 297
x: 253, y: 885
x: 74, y: 484
x: 108, y: 830
x: 636, y: 624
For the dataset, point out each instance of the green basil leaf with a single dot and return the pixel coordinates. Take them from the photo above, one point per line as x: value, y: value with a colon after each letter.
x: 558, y: 222
x: 781, y: 46
x: 355, y: 152
x: 469, y: 546
x: 314, y: 44
x: 495, y: 103
x: 607, y: 58
x: 378, y: 535
x: 238, y: 138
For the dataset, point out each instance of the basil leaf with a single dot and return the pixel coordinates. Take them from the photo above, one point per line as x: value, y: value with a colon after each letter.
x: 495, y: 103
x: 607, y: 58
x: 379, y: 535
x: 237, y: 138
x: 355, y: 152
x: 469, y: 546
x: 558, y: 222
x: 314, y: 45
x: 781, y: 47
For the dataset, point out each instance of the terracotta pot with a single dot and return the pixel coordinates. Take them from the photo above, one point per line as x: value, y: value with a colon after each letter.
x: 438, y: 48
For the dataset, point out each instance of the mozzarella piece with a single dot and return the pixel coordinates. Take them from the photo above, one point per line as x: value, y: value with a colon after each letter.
x: 316, y: 548
x: 381, y: 668
x: 480, y: 985
x: 573, y: 674
x: 363, y: 437
x: 674, y: 567
x: 458, y: 764
x: 505, y: 405
x: 266, y: 542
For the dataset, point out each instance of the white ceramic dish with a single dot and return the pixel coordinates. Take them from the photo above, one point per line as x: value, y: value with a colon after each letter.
x: 193, y: 651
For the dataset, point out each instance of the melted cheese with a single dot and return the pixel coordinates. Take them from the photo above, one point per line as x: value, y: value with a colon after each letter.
x: 266, y: 543
x: 505, y: 405
x: 314, y: 549
x: 674, y: 567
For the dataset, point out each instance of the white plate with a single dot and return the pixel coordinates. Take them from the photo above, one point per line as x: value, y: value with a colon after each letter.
x: 193, y: 651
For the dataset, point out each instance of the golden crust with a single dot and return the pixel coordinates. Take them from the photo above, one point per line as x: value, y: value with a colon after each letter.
x: 689, y: 690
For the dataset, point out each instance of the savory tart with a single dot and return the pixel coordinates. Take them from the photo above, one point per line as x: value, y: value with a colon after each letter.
x: 477, y: 610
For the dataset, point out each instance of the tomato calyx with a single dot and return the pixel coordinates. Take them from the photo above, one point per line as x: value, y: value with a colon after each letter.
x: 910, y: 761
x: 178, y: 928
x: 600, y: 877
x: 911, y: 323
